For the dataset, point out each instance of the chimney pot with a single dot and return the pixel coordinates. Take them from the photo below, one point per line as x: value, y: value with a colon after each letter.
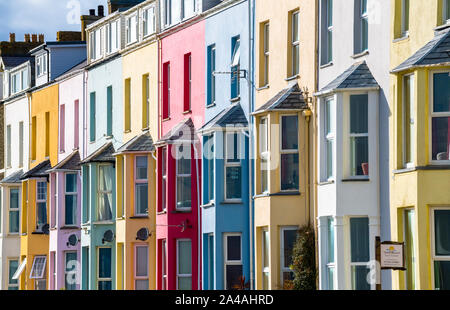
x: 27, y: 37
x: 12, y: 37
x: 92, y: 12
x: 34, y: 38
x: 41, y: 38
x: 101, y: 11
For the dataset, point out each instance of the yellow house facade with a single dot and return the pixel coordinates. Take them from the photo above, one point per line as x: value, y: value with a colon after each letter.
x: 420, y: 142
x: 136, y: 159
x: 34, y: 240
x: 285, y: 67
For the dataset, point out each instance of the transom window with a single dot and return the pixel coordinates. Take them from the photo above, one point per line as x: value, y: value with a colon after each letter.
x: 440, y: 117
x: 233, y: 260
x: 441, y: 248
x: 359, y: 136
x: 233, y: 169
x: 289, y: 153
x: 141, y: 186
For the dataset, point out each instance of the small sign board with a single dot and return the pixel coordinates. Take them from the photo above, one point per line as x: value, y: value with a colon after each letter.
x: 392, y: 255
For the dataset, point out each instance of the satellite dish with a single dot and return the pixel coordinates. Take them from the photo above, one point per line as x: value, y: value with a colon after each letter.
x: 73, y: 240
x: 142, y: 234
x: 108, y: 236
x: 46, y: 229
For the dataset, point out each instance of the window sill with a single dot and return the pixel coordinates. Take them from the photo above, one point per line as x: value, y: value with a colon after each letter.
x: 263, y: 195
x: 287, y: 193
x: 359, y: 55
x: 187, y: 112
x: 423, y: 168
x: 355, y: 180
x: 103, y: 223
x: 230, y: 202
x: 127, y: 131
x: 136, y: 217
x: 291, y: 78
x: 111, y: 136
x: 68, y: 227
x: 145, y: 128
x: 38, y: 233
x: 235, y: 99
x: 166, y: 119
x: 208, y: 205
x: 212, y: 105
x: 326, y: 183
x: 445, y: 25
x: 330, y: 64
x: 181, y: 211
x: 161, y: 212
x: 267, y: 86
x: 12, y: 235
x: 402, y: 38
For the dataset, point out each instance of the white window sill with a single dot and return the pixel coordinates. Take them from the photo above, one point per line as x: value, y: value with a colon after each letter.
x: 402, y: 38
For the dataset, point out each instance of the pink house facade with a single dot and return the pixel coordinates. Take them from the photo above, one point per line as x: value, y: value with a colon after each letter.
x: 65, y: 184
x: 182, y: 98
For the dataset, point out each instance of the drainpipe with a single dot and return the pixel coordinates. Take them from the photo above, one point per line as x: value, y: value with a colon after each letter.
x: 48, y: 63
x: 307, y: 114
x: 251, y: 8
x: 199, y: 245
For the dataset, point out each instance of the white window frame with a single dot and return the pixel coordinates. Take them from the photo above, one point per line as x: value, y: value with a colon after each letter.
x: 98, y: 267
x: 168, y: 12
x: 179, y: 275
x: 404, y: 211
x: 330, y: 136
x: 212, y: 99
x: 66, y: 273
x: 264, y: 153
x: 405, y: 32
x: 164, y: 264
x: 148, y: 21
x: 232, y: 164
x: 41, y: 65
x: 288, y: 151
x: 8, y: 145
x: 75, y: 194
x: 445, y: 15
x: 364, y: 16
x: 129, y: 25
x: 265, y: 270
x: 177, y: 175
x: 405, y: 121
x: 358, y: 135
x: 140, y: 181
x: 435, y: 257
x: 10, y: 276
x: 183, y: 10
x: 14, y: 209
x: 329, y: 31
x: 295, y: 43
x: 41, y: 275
x: 164, y: 168
x: 102, y: 192
x: 284, y: 269
x: 332, y: 265
x: 356, y: 264
x: 266, y: 51
x: 136, y: 277
x: 225, y: 258
x: 433, y: 115
x: 41, y: 200
x: 112, y: 37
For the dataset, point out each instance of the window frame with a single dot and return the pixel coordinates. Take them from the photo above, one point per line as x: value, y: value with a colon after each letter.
x: 42, y: 274
x: 140, y: 181
x: 358, y: 135
x: 405, y: 27
x: 8, y: 145
x: 404, y: 120
x: 329, y: 136
x: 19, y: 200
x: 235, y: 69
x: 295, y: 43
x: 237, y: 163
x: 10, y: 285
x: 164, y: 264
x: 330, y: 265
x: 266, y: 52
x: 289, y: 151
x: 136, y: 277
x: 265, y: 270
x: 227, y: 262
x: 404, y: 233
x: 66, y: 272
x: 432, y: 115
x: 328, y: 31
x: 364, y: 17
x: 129, y: 25
x: 148, y: 21
x: 283, y: 268
x: 75, y: 194
x: 183, y: 175
x: 178, y: 275
x: 358, y: 264
x: 101, y: 192
x: 164, y: 178
x: 98, y: 279
x: 433, y: 255
x: 210, y: 168
x: 41, y: 200
x: 264, y: 153
x: 212, y: 68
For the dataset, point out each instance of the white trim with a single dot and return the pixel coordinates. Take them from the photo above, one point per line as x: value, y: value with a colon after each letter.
x: 413, y: 103
x: 289, y: 151
x: 40, y: 273
x: 103, y: 192
x: 435, y: 257
x: 186, y: 175
x: 178, y: 261
x: 232, y: 164
x: 265, y: 270
x: 136, y: 277
x: 140, y: 182
x: 283, y: 268
x: 9, y: 276
x: 20, y: 269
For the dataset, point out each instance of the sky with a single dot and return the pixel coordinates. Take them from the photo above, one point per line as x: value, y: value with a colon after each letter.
x: 43, y: 16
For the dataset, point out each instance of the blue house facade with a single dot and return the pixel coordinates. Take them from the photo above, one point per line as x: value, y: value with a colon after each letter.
x: 226, y: 215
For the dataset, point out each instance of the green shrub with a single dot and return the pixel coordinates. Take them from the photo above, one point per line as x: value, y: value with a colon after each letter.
x: 304, y: 261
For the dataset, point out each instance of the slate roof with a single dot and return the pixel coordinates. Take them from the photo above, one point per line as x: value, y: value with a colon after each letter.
x: 103, y: 154
x: 183, y: 132
x: 13, y: 178
x: 14, y: 61
x: 290, y: 98
x: 71, y: 162
x: 357, y: 76
x: 41, y: 170
x: 231, y: 116
x: 435, y: 52
x: 141, y: 143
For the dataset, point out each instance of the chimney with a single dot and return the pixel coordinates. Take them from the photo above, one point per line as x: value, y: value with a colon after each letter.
x: 12, y: 37
x: 101, y: 11
x: 68, y: 36
x: 92, y: 12
x: 34, y: 38
x: 41, y: 38
x: 27, y: 38
x: 87, y: 20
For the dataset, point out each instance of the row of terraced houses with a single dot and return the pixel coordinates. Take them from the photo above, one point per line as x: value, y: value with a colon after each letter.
x: 181, y: 144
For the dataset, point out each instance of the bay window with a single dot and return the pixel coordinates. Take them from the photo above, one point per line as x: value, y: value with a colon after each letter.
x: 104, y: 192
x: 359, y: 136
x: 184, y: 264
x: 440, y: 117
x: 141, y: 186
x: 183, y: 185
x: 441, y: 248
x: 360, y: 253
x: 149, y: 21
x: 71, y: 203
x: 104, y: 269
x: 41, y: 205
x: 132, y: 29
x: 233, y: 260
x: 233, y: 169
x: 289, y: 153
x: 408, y: 119
x: 141, y: 267
x: 264, y: 154
x: 288, y: 239
x: 14, y: 211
